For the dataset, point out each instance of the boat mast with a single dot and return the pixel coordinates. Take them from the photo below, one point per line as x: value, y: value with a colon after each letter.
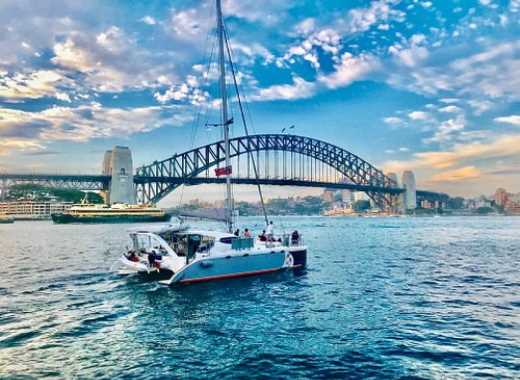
x: 225, y: 121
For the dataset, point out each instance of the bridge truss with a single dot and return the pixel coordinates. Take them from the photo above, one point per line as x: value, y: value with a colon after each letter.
x: 282, y: 159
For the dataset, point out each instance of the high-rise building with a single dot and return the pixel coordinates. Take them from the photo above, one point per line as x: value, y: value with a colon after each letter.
x: 501, y: 197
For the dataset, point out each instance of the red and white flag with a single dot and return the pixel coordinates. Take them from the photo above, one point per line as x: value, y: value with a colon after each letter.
x: 223, y: 171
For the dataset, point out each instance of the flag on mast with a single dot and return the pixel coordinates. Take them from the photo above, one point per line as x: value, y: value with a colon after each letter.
x: 223, y: 171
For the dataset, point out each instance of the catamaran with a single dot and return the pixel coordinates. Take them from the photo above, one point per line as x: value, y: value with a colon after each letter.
x: 178, y: 254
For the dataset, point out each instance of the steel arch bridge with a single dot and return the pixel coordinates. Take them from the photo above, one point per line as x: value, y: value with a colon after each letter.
x: 304, y: 161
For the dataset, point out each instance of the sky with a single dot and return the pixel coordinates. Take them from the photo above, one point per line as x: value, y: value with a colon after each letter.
x: 428, y: 86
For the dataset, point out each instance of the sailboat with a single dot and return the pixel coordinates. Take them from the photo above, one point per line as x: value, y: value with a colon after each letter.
x: 179, y: 254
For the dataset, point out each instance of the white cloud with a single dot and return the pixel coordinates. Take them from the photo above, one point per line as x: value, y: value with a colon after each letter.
x: 34, y: 85
x: 494, y: 72
x: 63, y: 96
x: 349, y: 69
x: 413, y: 53
x: 82, y: 123
x: 419, y: 116
x: 362, y: 19
x: 298, y: 89
x: 112, y: 62
x: 149, y: 20
x: 392, y: 120
x: 447, y: 130
x: 512, y: 119
x: 450, y: 109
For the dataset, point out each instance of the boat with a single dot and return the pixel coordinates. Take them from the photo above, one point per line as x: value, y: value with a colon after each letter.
x: 181, y: 255
x: 115, y: 213
x: 178, y: 254
x: 5, y: 219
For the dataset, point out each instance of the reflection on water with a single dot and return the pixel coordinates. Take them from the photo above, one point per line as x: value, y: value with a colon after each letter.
x: 385, y: 298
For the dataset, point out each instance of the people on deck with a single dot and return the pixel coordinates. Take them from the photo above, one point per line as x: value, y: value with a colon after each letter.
x: 237, y: 232
x: 270, y: 231
x: 262, y: 236
x: 247, y: 233
x: 295, y: 237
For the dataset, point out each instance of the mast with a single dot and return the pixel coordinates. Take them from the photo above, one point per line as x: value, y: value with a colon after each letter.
x: 225, y: 121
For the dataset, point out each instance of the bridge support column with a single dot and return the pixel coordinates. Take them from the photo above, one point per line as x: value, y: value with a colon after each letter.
x: 410, y: 194
x: 118, y: 164
x: 3, y: 190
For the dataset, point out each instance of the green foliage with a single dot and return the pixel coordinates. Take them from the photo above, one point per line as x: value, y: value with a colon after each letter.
x: 484, y: 210
x: 42, y: 193
x: 456, y: 203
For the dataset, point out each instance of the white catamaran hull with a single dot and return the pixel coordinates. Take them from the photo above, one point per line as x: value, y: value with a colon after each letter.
x: 247, y: 263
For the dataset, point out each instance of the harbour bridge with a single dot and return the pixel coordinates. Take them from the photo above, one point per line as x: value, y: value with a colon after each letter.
x: 281, y: 160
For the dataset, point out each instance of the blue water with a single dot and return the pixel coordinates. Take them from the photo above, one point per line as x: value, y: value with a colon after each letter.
x: 432, y: 298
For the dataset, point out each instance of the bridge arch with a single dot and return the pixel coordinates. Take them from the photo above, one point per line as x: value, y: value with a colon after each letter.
x: 153, y: 181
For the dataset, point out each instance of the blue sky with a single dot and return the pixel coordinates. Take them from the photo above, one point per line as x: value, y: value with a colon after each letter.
x: 422, y: 85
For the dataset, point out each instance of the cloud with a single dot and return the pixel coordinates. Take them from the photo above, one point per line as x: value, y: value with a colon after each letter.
x: 392, y: 120
x: 32, y: 85
x: 512, y: 119
x: 110, y: 62
x: 412, y: 54
x: 149, y: 20
x: 7, y: 146
x: 457, y: 175
x: 419, y: 116
x: 450, y: 109
x: 447, y: 130
x: 29, y: 130
x: 348, y: 70
x: 298, y: 89
x: 493, y: 72
x: 500, y: 147
x: 362, y: 19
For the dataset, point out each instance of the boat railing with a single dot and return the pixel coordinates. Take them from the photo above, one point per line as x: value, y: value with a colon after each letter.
x: 240, y: 243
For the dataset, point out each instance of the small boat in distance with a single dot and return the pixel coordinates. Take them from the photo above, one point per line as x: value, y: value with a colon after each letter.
x: 6, y: 219
x: 115, y: 213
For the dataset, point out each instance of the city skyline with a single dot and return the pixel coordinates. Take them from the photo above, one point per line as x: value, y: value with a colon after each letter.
x: 415, y: 85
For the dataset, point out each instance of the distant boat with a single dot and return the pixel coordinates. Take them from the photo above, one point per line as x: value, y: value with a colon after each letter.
x: 5, y: 219
x: 116, y: 213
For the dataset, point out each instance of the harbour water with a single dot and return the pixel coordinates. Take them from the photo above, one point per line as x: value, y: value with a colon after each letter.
x: 416, y: 298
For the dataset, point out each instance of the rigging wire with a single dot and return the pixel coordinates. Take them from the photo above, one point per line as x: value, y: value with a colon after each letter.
x: 196, y: 121
x: 255, y: 170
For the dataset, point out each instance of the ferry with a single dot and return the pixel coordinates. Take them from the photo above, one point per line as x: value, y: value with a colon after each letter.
x: 115, y: 213
x: 173, y: 254
x: 5, y: 219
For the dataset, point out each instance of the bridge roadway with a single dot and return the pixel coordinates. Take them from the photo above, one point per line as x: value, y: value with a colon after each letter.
x: 100, y: 182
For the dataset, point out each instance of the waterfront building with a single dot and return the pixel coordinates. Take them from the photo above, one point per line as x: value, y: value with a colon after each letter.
x: 328, y: 195
x: 29, y: 209
x: 501, y: 197
x: 512, y: 206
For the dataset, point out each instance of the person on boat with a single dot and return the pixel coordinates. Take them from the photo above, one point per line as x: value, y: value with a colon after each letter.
x: 270, y: 231
x: 133, y: 257
x: 247, y: 233
x: 237, y: 232
x: 262, y: 236
x: 295, y: 237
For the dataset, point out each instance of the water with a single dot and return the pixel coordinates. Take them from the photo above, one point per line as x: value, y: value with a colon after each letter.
x: 432, y: 298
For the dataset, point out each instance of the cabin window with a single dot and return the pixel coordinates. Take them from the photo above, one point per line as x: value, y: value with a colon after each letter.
x: 228, y: 239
